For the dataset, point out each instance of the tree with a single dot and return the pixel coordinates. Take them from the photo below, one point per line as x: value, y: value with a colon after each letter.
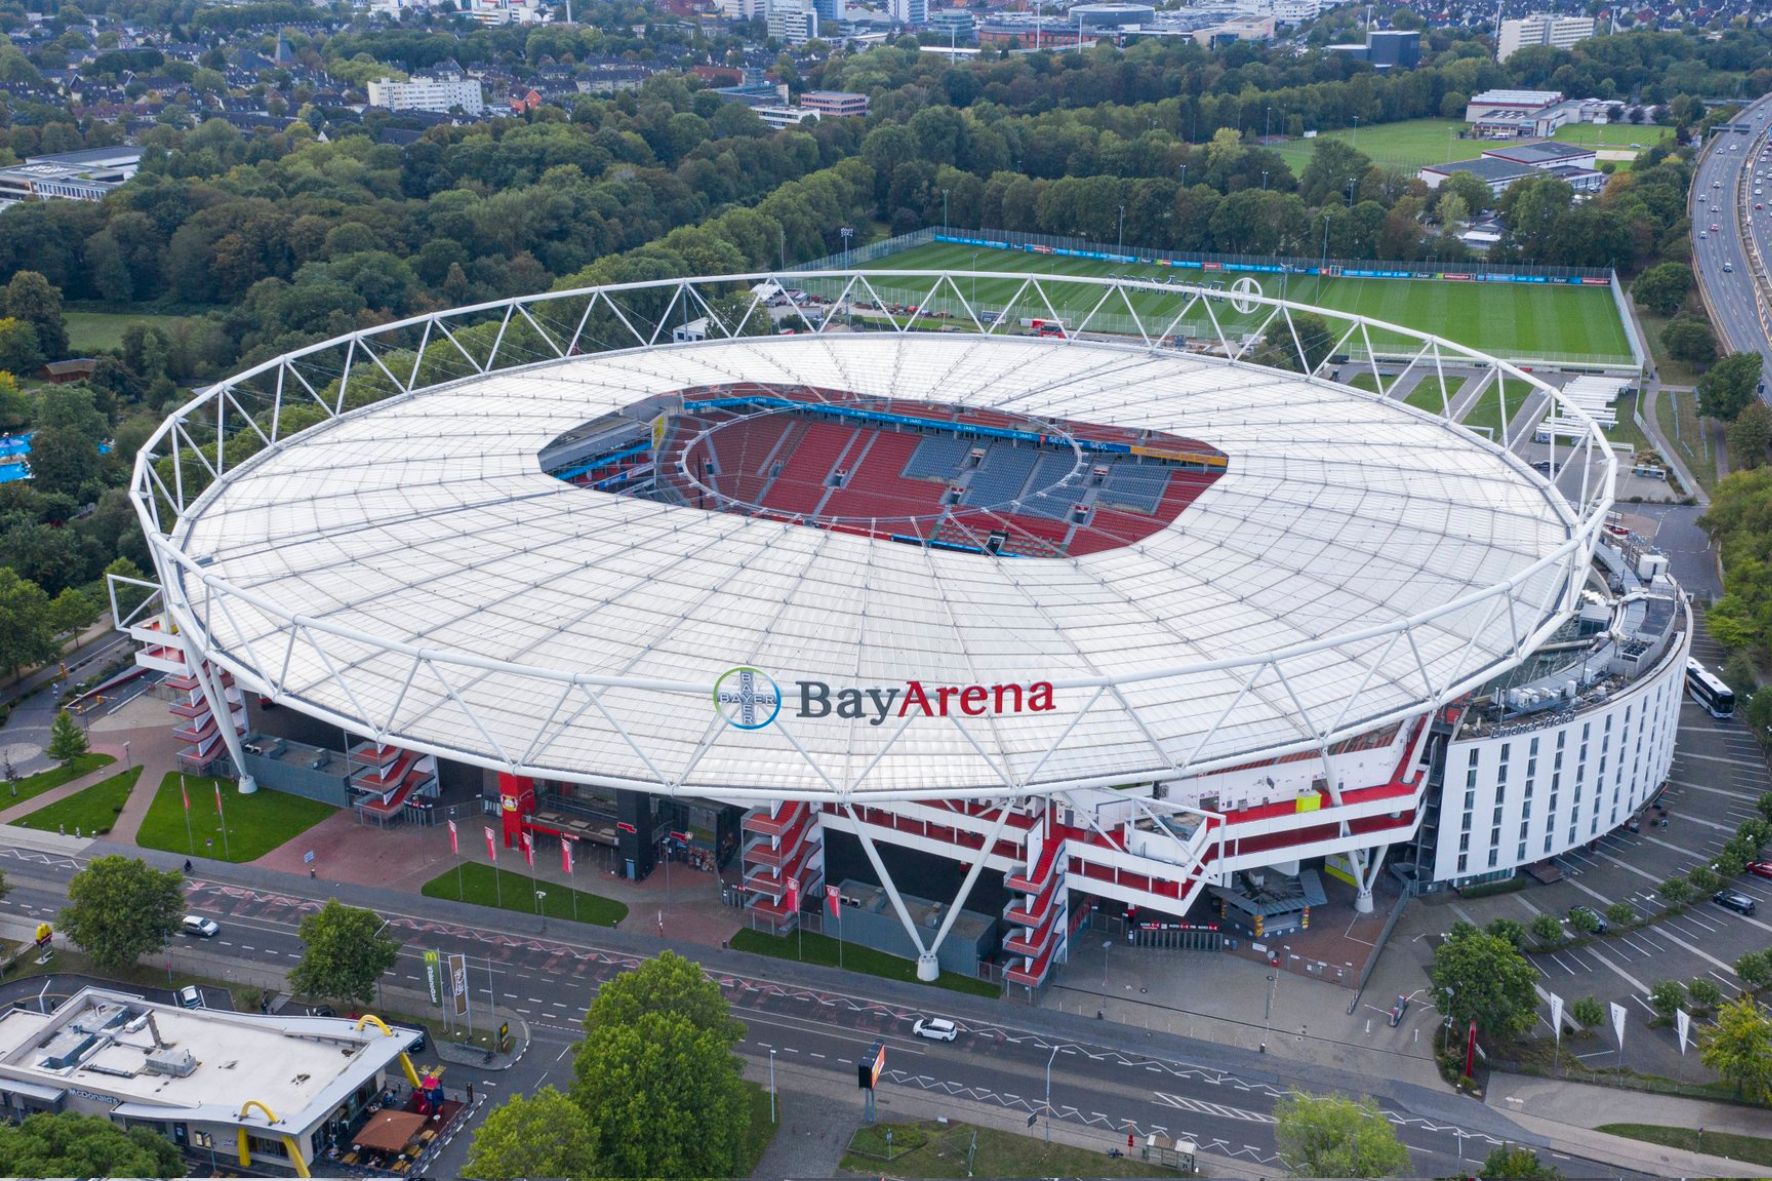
x: 1490, y: 982
x: 1704, y: 879
x: 1509, y: 929
x: 30, y: 298
x: 72, y: 1145
x: 19, y: 350
x: 66, y: 739
x: 1727, y: 387
x: 1516, y: 1162
x: 541, y: 1135
x: 1687, y: 338
x: 15, y: 403
x: 121, y: 908
x: 1280, y: 348
x: 1585, y: 921
x: 1739, y: 1048
x: 343, y: 953
x: 71, y: 610
x: 1705, y: 993
x: 1621, y: 914
x: 1333, y: 1136
x: 1749, y: 435
x: 1755, y: 968
x: 656, y: 1075
x: 1676, y: 892
x: 1764, y: 804
x: 1663, y: 288
x: 26, y: 636
x: 1587, y: 1012
x: 1546, y: 929
x: 1667, y: 996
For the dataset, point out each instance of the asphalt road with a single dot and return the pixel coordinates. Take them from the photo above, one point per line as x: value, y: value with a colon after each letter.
x: 1730, y: 292
x: 1222, y: 1098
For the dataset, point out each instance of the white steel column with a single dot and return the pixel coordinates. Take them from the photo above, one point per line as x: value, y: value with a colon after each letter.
x: 1366, y: 866
x: 209, y: 681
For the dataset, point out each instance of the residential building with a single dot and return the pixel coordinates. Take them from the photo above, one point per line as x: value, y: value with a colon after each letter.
x: 438, y: 95
x: 266, y: 1093
x: 1542, y: 28
x: 835, y: 104
x: 86, y: 175
x: 1295, y: 12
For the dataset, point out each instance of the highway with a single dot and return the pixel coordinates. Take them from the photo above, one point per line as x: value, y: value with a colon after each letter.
x: 1115, y: 1079
x: 1723, y: 215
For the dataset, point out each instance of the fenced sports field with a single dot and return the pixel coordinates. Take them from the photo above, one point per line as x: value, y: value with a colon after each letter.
x: 1536, y: 321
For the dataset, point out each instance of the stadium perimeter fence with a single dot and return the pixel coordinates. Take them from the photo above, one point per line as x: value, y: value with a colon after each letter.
x: 1061, y: 246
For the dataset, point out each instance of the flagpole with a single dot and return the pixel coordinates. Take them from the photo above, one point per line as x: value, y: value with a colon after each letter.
x: 224, y: 822
x: 185, y: 791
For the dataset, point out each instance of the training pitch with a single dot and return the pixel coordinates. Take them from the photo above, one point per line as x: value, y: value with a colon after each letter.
x: 1513, y: 320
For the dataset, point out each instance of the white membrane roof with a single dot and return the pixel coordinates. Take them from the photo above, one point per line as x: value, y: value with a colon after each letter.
x: 409, y: 571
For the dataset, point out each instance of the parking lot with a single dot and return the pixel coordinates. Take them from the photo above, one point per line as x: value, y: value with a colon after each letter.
x: 1718, y: 774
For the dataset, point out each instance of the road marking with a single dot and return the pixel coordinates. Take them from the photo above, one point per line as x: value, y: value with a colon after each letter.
x: 1623, y: 975
x: 1758, y: 763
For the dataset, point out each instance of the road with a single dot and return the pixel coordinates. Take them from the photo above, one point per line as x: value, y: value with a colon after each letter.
x: 1103, y: 1075
x: 1723, y: 213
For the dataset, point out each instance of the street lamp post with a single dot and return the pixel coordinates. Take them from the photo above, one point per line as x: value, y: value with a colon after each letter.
x: 944, y: 211
x: 771, y: 1086
x: 1120, y: 243
x: 847, y: 233
x: 539, y: 895
x: 1264, y: 180
x: 127, y: 761
x: 1267, y: 1016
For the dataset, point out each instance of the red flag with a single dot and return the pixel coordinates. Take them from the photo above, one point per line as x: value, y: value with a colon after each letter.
x: 831, y: 896
x: 566, y: 854
x: 794, y: 896
x: 218, y: 807
x: 184, y: 791
x: 491, y: 845
x: 1470, y: 1049
x: 454, y: 847
x: 529, y: 850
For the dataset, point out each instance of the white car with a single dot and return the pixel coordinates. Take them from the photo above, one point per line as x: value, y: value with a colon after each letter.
x: 191, y: 997
x: 196, y: 924
x: 936, y: 1029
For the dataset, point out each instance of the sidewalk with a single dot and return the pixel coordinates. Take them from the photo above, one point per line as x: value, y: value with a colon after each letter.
x: 1569, y: 1111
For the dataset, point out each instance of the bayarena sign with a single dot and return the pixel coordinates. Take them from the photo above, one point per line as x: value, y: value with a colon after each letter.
x: 749, y: 699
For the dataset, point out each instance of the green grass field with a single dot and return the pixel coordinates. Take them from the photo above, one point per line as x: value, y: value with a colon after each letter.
x: 930, y: 1149
x: 1409, y: 144
x: 1611, y: 135
x: 42, y: 781
x: 97, y: 332
x: 1511, y: 320
x: 256, y: 824
x: 1753, y: 1149
x: 510, y: 890
x: 90, y: 811
x: 813, y: 948
x: 1677, y: 415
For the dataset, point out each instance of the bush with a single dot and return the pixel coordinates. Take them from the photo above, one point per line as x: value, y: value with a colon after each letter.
x: 1667, y: 996
x: 1704, y: 880
x: 1508, y: 929
x: 1587, y: 1012
x: 1676, y: 892
x: 1755, y: 968
x: 1705, y: 994
x: 1585, y: 921
x: 1738, y: 673
x: 1547, y: 930
x: 1621, y: 914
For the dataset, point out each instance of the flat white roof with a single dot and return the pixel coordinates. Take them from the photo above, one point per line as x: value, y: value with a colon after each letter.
x: 427, y: 521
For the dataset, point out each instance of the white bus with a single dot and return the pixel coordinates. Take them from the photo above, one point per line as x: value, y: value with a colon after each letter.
x: 1709, y: 691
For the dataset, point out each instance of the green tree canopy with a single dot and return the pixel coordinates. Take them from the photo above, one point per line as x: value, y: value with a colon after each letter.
x: 1333, y: 1136
x: 1749, y: 435
x: 1490, y: 982
x: 656, y: 1075
x: 31, y: 298
x: 540, y: 1135
x: 1739, y: 1048
x: 1516, y: 1162
x: 19, y: 350
x: 71, y: 610
x: 26, y: 634
x: 66, y: 739
x: 71, y: 1145
x: 343, y: 953
x: 121, y: 908
x: 1663, y: 288
x: 1688, y: 338
x: 1727, y: 387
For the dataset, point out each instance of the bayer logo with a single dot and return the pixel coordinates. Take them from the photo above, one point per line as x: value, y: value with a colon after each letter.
x: 1244, y: 293
x: 748, y: 698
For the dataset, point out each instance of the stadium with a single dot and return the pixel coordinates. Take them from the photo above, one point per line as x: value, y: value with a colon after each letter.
x: 1085, y: 614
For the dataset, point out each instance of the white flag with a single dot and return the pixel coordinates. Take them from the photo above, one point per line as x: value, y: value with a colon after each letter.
x: 1618, y: 1024
x: 1556, y: 1004
x: 1683, y: 1020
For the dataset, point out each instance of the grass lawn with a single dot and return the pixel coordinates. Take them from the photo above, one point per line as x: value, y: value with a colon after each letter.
x: 929, y: 1149
x: 760, y: 1131
x: 1426, y: 394
x: 1626, y: 431
x: 1539, y: 321
x: 95, y: 332
x: 1409, y: 144
x: 1677, y: 415
x: 509, y: 890
x: 1365, y: 381
x: 90, y: 811
x: 1611, y: 135
x: 42, y: 781
x: 1670, y: 371
x: 257, y: 823
x: 1485, y: 412
x: 822, y: 949
x: 1755, y: 1149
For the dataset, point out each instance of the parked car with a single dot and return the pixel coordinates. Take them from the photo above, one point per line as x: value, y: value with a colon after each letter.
x: 320, y: 1011
x: 191, y: 997
x: 202, y: 928
x: 1733, y: 900
x: 421, y: 1044
x: 936, y: 1029
x: 1760, y: 869
x: 1600, y: 929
